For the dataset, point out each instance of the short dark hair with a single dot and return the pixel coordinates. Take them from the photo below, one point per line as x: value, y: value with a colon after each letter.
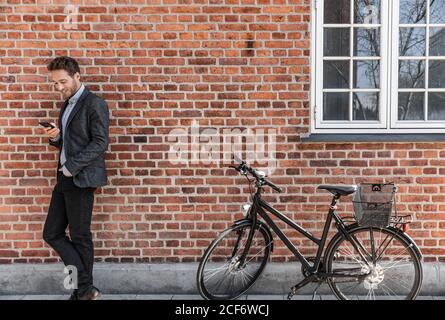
x: 68, y: 64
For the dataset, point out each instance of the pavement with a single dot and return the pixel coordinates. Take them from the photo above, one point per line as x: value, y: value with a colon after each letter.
x: 170, y: 280
x: 185, y: 297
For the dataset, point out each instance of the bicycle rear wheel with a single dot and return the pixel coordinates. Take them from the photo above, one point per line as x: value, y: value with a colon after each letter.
x: 388, y: 269
x: 220, y: 275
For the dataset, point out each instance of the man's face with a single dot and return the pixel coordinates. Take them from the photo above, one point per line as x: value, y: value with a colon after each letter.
x: 64, y: 83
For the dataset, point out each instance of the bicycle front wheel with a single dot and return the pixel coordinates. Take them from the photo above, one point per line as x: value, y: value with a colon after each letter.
x: 382, y: 264
x: 221, y: 273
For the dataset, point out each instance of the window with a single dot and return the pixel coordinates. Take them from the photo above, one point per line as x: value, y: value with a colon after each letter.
x: 378, y: 66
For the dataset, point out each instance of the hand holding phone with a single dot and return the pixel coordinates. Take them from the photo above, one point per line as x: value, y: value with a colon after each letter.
x: 46, y: 124
x: 50, y: 129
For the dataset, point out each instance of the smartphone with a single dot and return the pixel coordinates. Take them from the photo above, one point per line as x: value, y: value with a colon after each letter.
x: 46, y: 124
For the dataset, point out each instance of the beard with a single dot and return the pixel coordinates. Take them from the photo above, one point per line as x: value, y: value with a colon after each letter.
x: 69, y: 92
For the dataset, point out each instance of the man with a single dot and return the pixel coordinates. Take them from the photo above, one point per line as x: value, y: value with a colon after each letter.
x: 82, y: 140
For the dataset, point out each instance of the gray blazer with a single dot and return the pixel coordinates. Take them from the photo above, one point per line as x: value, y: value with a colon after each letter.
x: 86, y: 140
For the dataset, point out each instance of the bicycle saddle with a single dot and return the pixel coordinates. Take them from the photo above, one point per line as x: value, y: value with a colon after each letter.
x: 341, y: 190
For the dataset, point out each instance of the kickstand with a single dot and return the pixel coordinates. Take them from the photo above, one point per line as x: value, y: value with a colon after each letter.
x: 315, y: 290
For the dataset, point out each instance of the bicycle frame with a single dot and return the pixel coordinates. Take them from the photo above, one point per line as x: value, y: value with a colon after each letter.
x: 261, y: 207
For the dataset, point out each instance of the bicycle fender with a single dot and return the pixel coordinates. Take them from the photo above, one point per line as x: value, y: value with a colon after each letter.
x: 241, y: 221
x: 399, y: 232
x: 410, y: 241
x: 260, y: 225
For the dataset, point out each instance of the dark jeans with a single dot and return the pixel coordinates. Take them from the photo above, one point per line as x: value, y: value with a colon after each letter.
x: 72, y: 206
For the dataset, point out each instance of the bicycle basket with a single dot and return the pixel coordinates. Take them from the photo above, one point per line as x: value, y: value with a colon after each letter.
x: 373, y: 204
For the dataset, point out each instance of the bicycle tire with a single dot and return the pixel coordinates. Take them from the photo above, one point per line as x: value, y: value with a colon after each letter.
x: 262, y: 234
x: 406, y: 287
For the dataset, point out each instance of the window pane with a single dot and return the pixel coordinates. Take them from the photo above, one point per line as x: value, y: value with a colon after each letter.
x: 436, y: 106
x: 336, y: 42
x: 412, y: 41
x: 336, y: 106
x: 367, y: 42
x: 411, y: 106
x: 436, y: 74
x: 411, y: 74
x: 412, y: 11
x: 336, y: 74
x: 367, y: 11
x: 437, y: 41
x: 337, y: 11
x: 366, y: 106
x: 366, y: 74
x: 437, y: 11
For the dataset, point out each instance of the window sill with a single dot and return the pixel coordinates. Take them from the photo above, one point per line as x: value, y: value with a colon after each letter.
x: 392, y: 137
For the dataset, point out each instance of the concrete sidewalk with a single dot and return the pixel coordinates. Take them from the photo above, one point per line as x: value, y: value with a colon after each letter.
x: 122, y: 279
x: 184, y: 297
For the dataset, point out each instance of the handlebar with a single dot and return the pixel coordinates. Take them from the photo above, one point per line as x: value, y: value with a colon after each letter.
x: 273, y: 186
x: 244, y: 169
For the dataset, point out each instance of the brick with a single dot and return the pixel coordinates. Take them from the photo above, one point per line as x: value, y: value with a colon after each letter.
x: 232, y: 61
x: 353, y: 163
x: 430, y: 180
x: 202, y: 61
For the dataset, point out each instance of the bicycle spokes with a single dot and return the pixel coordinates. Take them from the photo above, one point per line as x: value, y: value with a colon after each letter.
x: 381, y: 266
x: 229, y: 268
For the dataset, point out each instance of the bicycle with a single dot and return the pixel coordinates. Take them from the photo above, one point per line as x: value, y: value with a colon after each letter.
x: 360, y: 261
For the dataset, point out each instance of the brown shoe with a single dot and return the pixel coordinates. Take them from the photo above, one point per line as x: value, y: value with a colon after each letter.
x: 92, y: 294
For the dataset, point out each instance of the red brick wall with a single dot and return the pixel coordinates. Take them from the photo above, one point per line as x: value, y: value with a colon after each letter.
x: 161, y: 64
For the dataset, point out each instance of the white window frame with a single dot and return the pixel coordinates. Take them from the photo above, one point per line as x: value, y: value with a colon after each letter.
x: 439, y: 124
x: 388, y: 79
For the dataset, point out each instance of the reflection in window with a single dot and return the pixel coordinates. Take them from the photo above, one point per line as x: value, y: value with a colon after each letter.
x: 411, y: 106
x: 436, y: 106
x: 347, y: 105
x: 412, y: 11
x: 336, y: 42
x: 366, y: 74
x: 336, y: 106
x: 412, y: 42
x: 437, y: 41
x: 351, y: 64
x: 337, y: 11
x: 367, y: 42
x: 437, y: 11
x: 411, y: 74
x: 367, y: 11
x: 336, y: 74
x: 436, y: 74
x: 366, y: 106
